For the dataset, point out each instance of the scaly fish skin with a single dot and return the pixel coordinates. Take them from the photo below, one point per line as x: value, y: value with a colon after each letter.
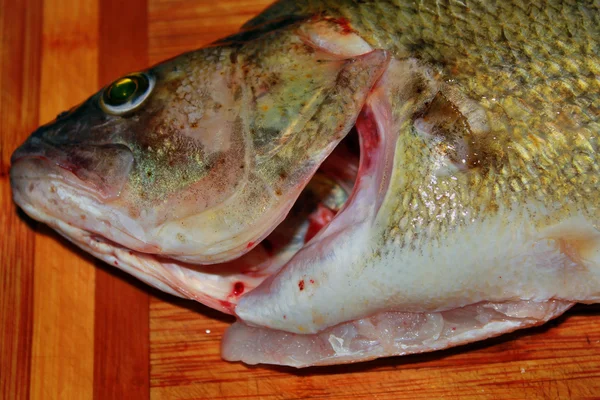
x: 495, y: 165
x: 475, y: 208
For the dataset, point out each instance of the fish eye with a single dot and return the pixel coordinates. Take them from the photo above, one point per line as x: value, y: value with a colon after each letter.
x: 127, y: 94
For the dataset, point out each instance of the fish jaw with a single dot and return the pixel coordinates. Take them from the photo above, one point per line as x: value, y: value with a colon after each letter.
x: 46, y: 198
x: 87, y: 174
x: 217, y: 155
x: 49, y: 194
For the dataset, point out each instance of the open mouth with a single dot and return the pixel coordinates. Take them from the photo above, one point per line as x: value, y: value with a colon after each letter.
x: 220, y: 286
x: 346, y: 189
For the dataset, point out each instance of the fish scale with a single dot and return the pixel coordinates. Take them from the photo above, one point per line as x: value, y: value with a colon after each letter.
x: 520, y: 64
x: 528, y: 139
x: 506, y: 91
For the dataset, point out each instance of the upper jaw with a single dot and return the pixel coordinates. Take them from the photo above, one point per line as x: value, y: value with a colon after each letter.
x: 49, y: 194
x: 101, y: 170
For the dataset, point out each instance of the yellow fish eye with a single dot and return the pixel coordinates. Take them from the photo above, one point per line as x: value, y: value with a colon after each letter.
x: 126, y: 94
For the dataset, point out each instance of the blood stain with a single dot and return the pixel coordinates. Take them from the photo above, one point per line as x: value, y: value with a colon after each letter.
x: 238, y: 288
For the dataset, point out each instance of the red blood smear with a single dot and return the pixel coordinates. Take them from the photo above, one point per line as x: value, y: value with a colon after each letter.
x: 238, y: 288
x: 301, y: 285
x: 312, y: 281
x: 227, y: 305
x: 317, y: 220
x: 344, y: 25
x: 250, y: 244
x: 369, y: 136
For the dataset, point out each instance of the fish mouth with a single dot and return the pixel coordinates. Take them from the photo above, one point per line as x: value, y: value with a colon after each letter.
x: 101, y: 170
x: 348, y: 182
x: 53, y: 193
x: 74, y: 209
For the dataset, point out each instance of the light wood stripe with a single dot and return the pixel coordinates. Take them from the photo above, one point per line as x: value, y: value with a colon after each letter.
x: 177, y: 26
x: 63, y: 335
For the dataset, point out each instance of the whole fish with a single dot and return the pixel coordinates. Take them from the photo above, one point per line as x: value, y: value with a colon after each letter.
x: 351, y: 179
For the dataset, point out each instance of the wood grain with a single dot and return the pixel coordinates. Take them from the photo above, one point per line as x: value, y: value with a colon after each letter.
x: 176, y: 26
x: 74, y: 328
x: 63, y: 334
x: 20, y: 42
x: 121, y: 345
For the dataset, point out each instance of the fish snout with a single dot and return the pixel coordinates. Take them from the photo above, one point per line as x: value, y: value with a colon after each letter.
x: 102, y: 170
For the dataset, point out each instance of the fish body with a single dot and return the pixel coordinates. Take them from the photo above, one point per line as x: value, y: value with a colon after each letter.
x: 227, y: 175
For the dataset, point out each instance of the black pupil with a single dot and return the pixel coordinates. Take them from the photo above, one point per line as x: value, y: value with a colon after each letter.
x: 121, y: 91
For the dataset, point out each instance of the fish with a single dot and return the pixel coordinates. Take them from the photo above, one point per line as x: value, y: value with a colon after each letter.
x: 350, y: 179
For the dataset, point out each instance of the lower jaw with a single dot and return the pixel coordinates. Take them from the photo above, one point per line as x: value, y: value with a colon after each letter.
x: 218, y: 286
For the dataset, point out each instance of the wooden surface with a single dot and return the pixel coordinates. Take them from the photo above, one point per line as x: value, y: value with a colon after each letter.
x: 74, y: 328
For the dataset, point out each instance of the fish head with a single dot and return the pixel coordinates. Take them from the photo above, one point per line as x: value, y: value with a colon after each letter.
x: 199, y: 158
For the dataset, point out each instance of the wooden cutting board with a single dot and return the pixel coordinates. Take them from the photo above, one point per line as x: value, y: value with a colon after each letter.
x: 74, y: 328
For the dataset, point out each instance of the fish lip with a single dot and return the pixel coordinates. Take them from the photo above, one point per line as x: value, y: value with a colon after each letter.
x: 103, y: 184
x: 152, y: 269
x: 38, y: 187
x: 105, y: 247
x: 17, y: 161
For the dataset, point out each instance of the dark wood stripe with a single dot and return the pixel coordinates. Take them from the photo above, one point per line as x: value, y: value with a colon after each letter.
x: 121, y: 347
x: 20, y: 44
x: 20, y: 63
